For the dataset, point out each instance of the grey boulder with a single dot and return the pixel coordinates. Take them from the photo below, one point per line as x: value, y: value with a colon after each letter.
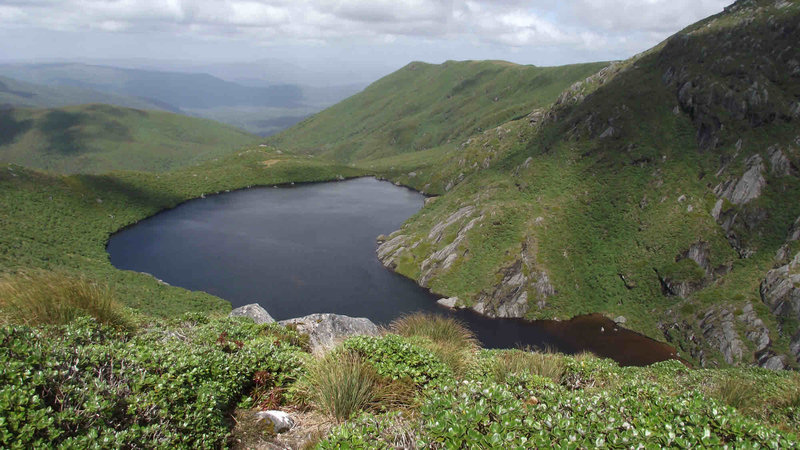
x: 253, y: 311
x: 326, y: 330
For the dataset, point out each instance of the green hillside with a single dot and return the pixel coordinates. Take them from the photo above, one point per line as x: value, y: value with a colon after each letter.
x: 424, y: 106
x: 15, y: 93
x: 664, y: 189
x: 101, y: 138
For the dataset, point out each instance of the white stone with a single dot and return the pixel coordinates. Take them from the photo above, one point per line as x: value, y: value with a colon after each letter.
x: 280, y: 420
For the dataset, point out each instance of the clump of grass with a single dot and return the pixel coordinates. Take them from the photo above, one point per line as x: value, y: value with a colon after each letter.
x: 736, y: 392
x: 546, y: 365
x: 449, y: 339
x: 54, y: 298
x: 341, y: 384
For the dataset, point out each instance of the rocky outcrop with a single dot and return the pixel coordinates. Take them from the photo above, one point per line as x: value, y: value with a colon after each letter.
x: 724, y: 331
x: 748, y: 187
x: 326, y: 330
x: 719, y: 331
x: 780, y: 291
x: 510, y: 297
x: 442, y: 259
x: 699, y: 253
x: 780, y: 165
x: 253, y: 311
x: 451, y: 302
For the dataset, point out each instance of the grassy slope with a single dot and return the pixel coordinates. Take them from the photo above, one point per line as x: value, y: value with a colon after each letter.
x: 101, y: 138
x: 63, y: 222
x: 595, y: 209
x: 424, y: 106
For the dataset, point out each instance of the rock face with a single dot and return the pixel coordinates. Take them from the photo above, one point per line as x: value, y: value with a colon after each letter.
x: 723, y: 330
x: 719, y: 331
x: 326, y: 330
x: 253, y: 311
x: 510, y: 298
x: 281, y: 421
x: 779, y: 164
x: 746, y: 188
x: 780, y: 291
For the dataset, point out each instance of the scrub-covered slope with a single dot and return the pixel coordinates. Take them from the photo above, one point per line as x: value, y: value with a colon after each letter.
x: 663, y: 189
x: 424, y: 106
x: 100, y: 138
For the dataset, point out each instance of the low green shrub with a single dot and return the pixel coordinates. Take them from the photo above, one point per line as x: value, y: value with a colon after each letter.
x: 54, y: 298
x: 530, y: 414
x: 85, y: 384
x: 387, y: 431
x: 399, y: 358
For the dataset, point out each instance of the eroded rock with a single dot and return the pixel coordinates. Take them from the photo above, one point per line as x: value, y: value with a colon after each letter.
x: 720, y: 332
x: 326, y: 330
x: 746, y: 188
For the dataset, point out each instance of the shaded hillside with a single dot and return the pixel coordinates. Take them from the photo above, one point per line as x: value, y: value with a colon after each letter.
x: 15, y: 93
x: 424, y: 106
x: 662, y: 189
x: 101, y: 138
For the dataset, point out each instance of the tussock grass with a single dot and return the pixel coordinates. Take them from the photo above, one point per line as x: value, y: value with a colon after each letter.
x: 341, y: 384
x: 547, y: 365
x: 449, y: 339
x: 736, y: 392
x: 54, y: 298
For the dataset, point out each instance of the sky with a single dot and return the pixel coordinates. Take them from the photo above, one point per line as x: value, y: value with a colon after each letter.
x: 346, y: 39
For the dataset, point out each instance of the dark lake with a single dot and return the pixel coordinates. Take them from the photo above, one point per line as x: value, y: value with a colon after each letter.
x: 310, y: 248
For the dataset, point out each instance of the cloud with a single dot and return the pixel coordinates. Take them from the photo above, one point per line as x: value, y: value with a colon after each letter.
x: 626, y: 26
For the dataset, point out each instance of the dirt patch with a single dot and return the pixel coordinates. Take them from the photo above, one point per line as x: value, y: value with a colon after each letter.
x: 270, y: 162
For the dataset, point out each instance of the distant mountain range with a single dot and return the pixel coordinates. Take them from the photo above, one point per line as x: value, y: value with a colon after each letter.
x: 255, y: 105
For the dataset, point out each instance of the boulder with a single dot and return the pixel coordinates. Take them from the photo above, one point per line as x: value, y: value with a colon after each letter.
x: 451, y: 302
x: 253, y: 311
x: 281, y: 421
x: 326, y: 330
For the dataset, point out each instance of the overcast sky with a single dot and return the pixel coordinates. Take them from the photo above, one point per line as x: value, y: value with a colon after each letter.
x: 370, y: 37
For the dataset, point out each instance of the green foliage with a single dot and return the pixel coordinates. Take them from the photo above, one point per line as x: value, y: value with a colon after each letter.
x: 451, y: 341
x: 342, y: 383
x: 101, y: 138
x: 657, y: 406
x: 386, y: 431
x: 86, y: 385
x: 52, y: 298
x: 736, y: 392
x: 398, y: 358
x: 507, y: 363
